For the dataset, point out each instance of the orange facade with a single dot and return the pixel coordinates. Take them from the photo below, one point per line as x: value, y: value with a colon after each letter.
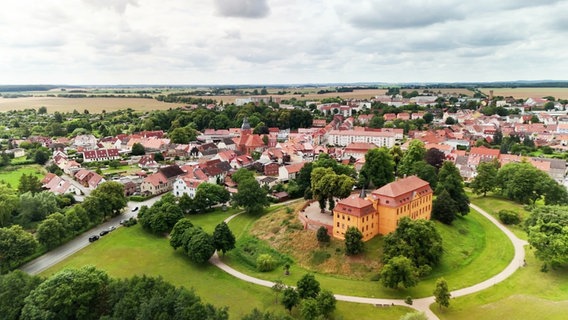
x: 380, y: 212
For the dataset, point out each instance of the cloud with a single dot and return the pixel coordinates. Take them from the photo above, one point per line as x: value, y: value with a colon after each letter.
x: 242, y: 8
x: 118, y: 5
x: 399, y: 15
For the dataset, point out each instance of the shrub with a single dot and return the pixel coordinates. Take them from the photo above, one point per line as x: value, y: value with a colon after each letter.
x: 509, y: 217
x: 265, y: 263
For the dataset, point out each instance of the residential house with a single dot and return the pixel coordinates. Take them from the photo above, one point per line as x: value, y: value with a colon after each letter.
x: 161, y: 181
x: 186, y: 185
x: 286, y: 173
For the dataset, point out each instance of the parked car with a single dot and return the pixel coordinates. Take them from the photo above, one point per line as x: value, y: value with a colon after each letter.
x: 134, y: 209
x: 123, y: 222
x: 104, y: 232
x: 111, y: 228
x: 93, y: 238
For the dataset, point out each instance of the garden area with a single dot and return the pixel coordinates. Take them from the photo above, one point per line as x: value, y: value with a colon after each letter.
x: 10, y: 176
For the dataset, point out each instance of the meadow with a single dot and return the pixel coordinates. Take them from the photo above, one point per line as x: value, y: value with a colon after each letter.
x: 11, y: 175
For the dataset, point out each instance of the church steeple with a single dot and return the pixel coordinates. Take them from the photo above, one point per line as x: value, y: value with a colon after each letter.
x: 246, y: 124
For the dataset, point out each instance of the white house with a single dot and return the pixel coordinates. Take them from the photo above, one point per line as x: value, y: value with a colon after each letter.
x: 186, y: 185
x: 288, y: 172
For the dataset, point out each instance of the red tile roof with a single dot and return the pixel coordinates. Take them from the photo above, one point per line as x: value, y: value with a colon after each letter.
x: 402, y: 187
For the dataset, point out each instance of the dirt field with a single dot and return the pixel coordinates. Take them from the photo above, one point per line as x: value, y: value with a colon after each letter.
x: 94, y: 105
x: 523, y: 93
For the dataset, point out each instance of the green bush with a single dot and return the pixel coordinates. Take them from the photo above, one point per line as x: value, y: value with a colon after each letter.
x: 265, y: 263
x: 250, y: 248
x: 509, y: 217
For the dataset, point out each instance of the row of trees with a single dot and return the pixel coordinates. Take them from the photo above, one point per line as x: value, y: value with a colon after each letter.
x: 314, y: 303
x: 521, y: 182
x: 197, y: 244
x: 88, y: 293
x: 57, y: 227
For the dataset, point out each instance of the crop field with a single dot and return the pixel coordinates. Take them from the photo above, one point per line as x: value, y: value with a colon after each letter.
x: 94, y: 105
x: 524, y: 93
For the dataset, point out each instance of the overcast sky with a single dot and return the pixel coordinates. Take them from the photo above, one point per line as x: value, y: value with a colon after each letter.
x: 281, y: 41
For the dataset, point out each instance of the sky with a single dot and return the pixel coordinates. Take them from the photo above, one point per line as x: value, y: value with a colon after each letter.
x: 105, y: 42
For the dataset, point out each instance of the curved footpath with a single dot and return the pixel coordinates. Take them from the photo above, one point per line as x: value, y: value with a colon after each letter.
x: 422, y: 304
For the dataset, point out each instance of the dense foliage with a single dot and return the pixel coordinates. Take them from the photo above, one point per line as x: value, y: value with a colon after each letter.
x: 547, y: 228
x: 162, y: 216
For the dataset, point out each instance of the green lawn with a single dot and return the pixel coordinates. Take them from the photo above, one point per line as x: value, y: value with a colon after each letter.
x: 11, y: 175
x: 475, y: 250
x: 129, y: 251
x: 527, y: 294
x: 494, y: 204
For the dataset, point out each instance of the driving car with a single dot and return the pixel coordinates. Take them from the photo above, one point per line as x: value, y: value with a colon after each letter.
x: 93, y: 238
x: 134, y: 209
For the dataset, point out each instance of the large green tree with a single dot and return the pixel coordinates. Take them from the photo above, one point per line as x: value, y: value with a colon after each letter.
x: 444, y: 208
x: 417, y: 240
x: 8, y: 203
x: 138, y: 149
x: 52, y: 231
x: 14, y: 288
x: 29, y: 183
x: 290, y: 298
x: 547, y: 228
x: 378, y: 169
x: 399, y: 272
x: 35, y: 207
x: 15, y: 244
x: 200, y: 248
x: 449, y: 179
x: 486, y: 178
x: 109, y: 198
x: 211, y: 194
x: 308, y: 286
x: 251, y: 197
x: 69, y: 294
x: 223, y: 238
x: 415, y: 152
x: 326, y: 303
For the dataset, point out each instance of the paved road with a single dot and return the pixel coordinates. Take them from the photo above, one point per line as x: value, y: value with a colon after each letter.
x: 422, y: 304
x: 61, y: 253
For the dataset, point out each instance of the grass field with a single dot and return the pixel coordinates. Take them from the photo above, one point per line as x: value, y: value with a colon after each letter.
x: 527, y: 294
x: 11, y: 175
x: 524, y: 93
x: 494, y: 204
x: 94, y: 105
x: 475, y: 251
x: 129, y: 251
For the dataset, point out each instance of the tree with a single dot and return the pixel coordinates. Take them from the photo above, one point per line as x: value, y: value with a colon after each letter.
x: 158, y: 156
x: 450, y: 121
x: 8, y: 203
x: 322, y: 235
x: 69, y: 294
x: 326, y: 303
x: 290, y: 298
x: 353, y: 241
x: 278, y: 287
x: 308, y: 286
x: 211, y: 194
x: 548, y: 234
x: 309, y: 309
x: 426, y: 172
x: 200, y: 248
x: 35, y: 207
x: 41, y: 156
x: 161, y: 217
x: 435, y: 157
x: 52, y: 231
x: 428, y: 117
x: 138, y: 149
x: 15, y: 245
x: 449, y: 179
x: 177, y: 234
x: 182, y: 135
x: 241, y: 175
x: 442, y: 293
x: 15, y: 287
x: 29, y: 183
x: 417, y: 240
x: 223, y: 238
x: 444, y: 208
x: 109, y: 198
x: 251, y: 197
x: 415, y: 152
x: 399, y: 272
x: 486, y: 178
x: 378, y: 168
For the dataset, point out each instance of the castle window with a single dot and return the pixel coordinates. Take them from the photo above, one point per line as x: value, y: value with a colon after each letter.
x: 338, y: 224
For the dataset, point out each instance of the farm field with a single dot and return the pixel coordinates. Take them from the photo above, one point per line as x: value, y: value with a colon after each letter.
x: 94, y: 105
x: 524, y: 93
x: 11, y: 175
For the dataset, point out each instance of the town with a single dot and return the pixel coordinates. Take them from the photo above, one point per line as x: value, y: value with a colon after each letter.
x: 353, y: 172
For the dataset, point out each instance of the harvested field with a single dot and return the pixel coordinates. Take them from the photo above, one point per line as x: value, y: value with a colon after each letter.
x: 94, y: 105
x: 524, y: 93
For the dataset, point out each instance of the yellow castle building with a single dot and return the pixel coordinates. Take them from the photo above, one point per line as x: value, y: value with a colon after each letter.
x: 380, y: 212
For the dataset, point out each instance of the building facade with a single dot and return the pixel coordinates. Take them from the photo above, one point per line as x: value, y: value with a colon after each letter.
x: 381, y: 211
